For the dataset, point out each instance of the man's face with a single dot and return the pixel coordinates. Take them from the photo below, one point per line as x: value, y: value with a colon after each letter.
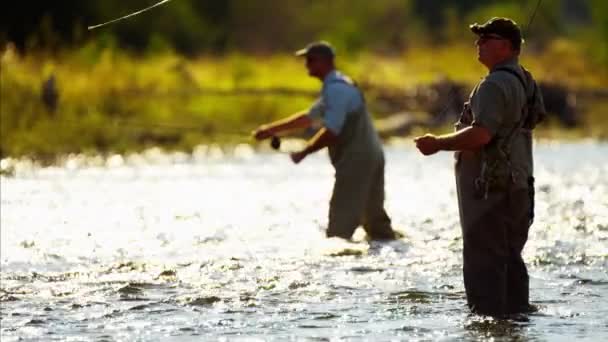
x: 317, y: 65
x: 492, y: 49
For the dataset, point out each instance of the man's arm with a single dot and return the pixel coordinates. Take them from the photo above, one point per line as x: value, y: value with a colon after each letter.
x: 299, y: 120
x: 322, y: 139
x: 335, y: 109
x: 469, y: 139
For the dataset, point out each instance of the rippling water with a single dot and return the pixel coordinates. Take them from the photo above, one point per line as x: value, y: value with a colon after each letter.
x: 231, y: 247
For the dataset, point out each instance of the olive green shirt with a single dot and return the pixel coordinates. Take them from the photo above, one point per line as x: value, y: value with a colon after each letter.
x: 497, y: 104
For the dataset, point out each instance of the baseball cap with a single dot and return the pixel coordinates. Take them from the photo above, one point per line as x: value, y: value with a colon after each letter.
x: 318, y: 48
x: 503, y: 27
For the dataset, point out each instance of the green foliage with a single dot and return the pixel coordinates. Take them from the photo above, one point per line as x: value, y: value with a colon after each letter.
x: 110, y: 101
x: 599, y: 45
x: 376, y: 25
x: 193, y: 27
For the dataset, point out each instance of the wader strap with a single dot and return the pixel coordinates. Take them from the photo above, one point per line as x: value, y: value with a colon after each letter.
x: 524, y: 113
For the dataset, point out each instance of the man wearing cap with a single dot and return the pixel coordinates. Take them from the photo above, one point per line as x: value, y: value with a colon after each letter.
x: 355, y: 149
x: 494, y: 172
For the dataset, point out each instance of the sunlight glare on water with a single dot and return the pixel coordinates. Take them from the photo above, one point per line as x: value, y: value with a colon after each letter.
x: 229, y: 245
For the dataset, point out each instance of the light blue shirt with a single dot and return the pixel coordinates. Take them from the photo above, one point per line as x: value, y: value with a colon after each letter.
x: 339, y: 97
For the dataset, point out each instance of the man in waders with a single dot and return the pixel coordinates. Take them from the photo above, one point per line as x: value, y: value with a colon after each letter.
x: 494, y: 172
x: 354, y: 148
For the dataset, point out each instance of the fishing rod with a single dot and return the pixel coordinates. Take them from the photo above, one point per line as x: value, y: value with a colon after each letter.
x: 275, y: 141
x: 527, y: 28
x: 93, y: 27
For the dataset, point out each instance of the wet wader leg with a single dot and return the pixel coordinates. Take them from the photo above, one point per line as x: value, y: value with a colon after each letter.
x: 351, y: 190
x: 376, y: 222
x: 518, y: 281
x: 485, y: 258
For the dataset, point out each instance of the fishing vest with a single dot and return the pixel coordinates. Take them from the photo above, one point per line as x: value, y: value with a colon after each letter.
x: 497, y: 172
x: 358, y: 141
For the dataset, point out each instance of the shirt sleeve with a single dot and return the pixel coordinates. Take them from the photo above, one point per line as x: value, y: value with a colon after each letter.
x: 489, y: 107
x: 315, y: 112
x: 336, y: 98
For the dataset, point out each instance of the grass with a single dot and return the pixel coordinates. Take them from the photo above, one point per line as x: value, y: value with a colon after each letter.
x: 113, y: 102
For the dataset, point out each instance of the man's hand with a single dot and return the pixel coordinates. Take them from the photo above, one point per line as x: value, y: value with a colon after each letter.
x: 428, y: 144
x: 469, y: 139
x: 263, y: 132
x: 297, y: 157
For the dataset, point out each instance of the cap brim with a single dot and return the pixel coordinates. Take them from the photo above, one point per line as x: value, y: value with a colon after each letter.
x: 301, y: 52
x: 477, y: 29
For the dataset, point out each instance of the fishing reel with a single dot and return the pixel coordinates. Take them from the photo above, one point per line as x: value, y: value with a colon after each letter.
x: 275, y: 142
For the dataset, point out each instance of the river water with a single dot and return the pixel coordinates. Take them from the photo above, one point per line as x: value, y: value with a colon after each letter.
x: 223, y: 246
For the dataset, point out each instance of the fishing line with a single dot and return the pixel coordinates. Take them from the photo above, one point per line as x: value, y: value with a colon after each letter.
x: 128, y: 15
x: 532, y: 17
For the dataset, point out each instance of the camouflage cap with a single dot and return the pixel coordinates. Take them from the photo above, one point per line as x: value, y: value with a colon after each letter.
x: 322, y: 48
x: 503, y: 27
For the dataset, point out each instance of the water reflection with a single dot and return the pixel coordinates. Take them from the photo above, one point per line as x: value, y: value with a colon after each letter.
x: 226, y: 244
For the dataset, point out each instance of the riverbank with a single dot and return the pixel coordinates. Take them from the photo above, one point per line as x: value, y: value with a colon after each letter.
x: 96, y: 100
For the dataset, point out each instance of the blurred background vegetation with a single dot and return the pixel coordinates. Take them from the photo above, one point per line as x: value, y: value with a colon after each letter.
x: 193, y: 71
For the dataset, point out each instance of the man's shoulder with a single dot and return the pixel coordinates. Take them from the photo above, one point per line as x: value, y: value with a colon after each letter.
x: 499, y: 76
x: 337, y: 77
x: 341, y: 84
x: 507, y: 75
x: 490, y: 84
x: 499, y: 79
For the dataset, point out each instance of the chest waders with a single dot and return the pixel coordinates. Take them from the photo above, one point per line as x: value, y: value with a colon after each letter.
x: 358, y: 193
